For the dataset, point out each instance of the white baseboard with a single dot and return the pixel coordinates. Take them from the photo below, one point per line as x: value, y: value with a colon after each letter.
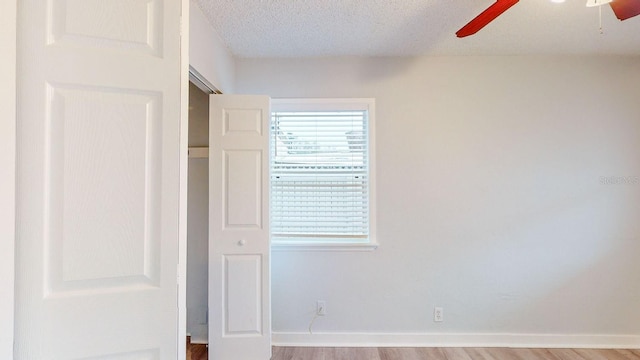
x: 199, y: 341
x: 456, y: 340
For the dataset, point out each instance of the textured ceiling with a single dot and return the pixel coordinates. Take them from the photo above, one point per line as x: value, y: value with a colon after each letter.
x: 309, y: 28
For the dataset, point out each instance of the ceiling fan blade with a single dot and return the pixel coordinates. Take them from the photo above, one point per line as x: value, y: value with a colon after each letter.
x: 625, y: 9
x: 485, y: 17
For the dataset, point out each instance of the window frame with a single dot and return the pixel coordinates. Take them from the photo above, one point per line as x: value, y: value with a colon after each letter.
x: 336, y: 104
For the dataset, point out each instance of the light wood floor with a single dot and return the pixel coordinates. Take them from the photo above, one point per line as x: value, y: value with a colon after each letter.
x: 199, y: 352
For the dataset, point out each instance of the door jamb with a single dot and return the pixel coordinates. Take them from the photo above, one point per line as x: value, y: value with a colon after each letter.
x: 8, y: 95
x: 184, y: 173
x: 188, y: 73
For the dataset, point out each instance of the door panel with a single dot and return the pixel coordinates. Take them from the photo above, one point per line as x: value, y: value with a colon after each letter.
x: 104, y: 234
x: 98, y: 167
x: 239, y: 295
x: 243, y: 185
x: 131, y: 25
x: 243, y: 295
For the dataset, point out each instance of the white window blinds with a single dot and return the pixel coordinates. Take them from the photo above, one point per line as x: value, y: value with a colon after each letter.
x: 320, y: 177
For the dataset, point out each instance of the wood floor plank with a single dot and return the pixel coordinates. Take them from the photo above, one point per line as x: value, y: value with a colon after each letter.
x: 521, y: 354
x: 591, y: 354
x: 509, y: 354
x: 199, y: 352
x: 308, y: 353
x: 352, y: 354
x: 456, y: 354
x: 479, y: 354
x: 431, y: 353
x: 610, y: 354
x: 628, y: 354
x: 547, y: 354
x: 282, y: 352
x: 567, y: 354
x: 398, y: 353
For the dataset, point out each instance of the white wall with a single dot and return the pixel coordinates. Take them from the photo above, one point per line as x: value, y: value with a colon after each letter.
x: 207, y: 52
x: 490, y: 202
x: 198, y: 219
x: 7, y: 175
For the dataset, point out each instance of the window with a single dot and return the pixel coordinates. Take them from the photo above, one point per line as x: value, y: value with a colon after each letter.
x: 322, y: 173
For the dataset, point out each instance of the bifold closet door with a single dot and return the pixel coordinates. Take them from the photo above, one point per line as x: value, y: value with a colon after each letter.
x: 239, y: 253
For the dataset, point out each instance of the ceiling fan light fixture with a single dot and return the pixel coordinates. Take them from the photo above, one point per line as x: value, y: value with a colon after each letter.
x: 594, y: 3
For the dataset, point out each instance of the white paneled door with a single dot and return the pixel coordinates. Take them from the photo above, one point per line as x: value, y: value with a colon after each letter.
x: 239, y: 270
x: 98, y: 179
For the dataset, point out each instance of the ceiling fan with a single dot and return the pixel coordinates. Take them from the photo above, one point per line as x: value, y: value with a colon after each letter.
x: 623, y: 9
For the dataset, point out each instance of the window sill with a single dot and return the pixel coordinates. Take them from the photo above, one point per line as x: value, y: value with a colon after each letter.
x: 324, y: 247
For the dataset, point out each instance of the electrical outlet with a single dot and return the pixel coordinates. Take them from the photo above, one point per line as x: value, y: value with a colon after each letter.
x: 321, y: 308
x: 438, y: 314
